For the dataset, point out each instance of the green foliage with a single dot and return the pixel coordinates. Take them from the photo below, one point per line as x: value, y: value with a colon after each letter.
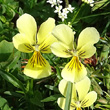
x: 20, y: 92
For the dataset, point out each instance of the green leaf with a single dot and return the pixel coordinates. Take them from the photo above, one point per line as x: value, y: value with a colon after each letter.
x: 2, y: 101
x: 51, y: 98
x: 100, y: 4
x: 36, y: 100
x: 6, y: 48
x: 68, y: 96
x: 52, y: 88
x: 12, y: 79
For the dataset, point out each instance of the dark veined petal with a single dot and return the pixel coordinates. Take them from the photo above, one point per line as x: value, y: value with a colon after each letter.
x: 37, y: 67
x: 44, y: 47
x: 74, y: 71
x: 89, y: 99
x: 60, y: 50
x: 86, y: 51
x: 22, y: 44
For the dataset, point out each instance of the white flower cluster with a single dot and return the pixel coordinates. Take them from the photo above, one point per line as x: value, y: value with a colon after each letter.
x: 62, y: 12
x: 91, y: 2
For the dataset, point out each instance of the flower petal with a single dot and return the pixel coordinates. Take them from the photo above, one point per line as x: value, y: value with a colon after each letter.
x: 37, y: 67
x: 60, y: 50
x: 22, y: 44
x: 88, y: 35
x: 83, y: 87
x: 74, y: 71
x: 63, y: 88
x: 61, y: 103
x: 64, y: 34
x: 45, y: 30
x: 45, y: 45
x: 26, y: 24
x: 89, y: 99
x: 87, y: 51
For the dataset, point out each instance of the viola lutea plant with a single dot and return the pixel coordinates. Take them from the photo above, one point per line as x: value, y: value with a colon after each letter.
x: 74, y: 71
x: 80, y: 98
x: 28, y: 40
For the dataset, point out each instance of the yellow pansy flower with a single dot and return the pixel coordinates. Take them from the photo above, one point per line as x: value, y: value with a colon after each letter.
x: 28, y: 40
x: 74, y: 71
x: 80, y: 96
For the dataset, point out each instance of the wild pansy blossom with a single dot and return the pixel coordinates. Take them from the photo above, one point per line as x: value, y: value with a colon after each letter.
x: 74, y: 70
x: 91, y: 2
x: 80, y: 97
x: 28, y: 40
x: 62, y: 12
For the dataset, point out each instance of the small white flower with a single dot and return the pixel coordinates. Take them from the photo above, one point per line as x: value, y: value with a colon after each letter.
x: 65, y: 11
x: 59, y: 1
x: 58, y: 9
x: 52, y: 2
x: 62, y: 16
x: 91, y: 2
x: 70, y: 8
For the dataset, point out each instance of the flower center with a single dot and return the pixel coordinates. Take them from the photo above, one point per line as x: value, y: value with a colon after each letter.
x: 78, y: 105
x: 72, y: 52
x: 37, y: 47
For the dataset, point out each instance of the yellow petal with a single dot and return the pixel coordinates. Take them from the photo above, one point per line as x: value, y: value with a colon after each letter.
x: 22, y: 44
x: 61, y: 103
x: 89, y: 99
x: 87, y: 51
x: 74, y: 71
x: 63, y: 88
x: 83, y: 87
x: 44, y: 47
x: 37, y: 67
x: 64, y: 34
x: 88, y: 35
x: 26, y: 24
x: 45, y: 30
x: 60, y: 50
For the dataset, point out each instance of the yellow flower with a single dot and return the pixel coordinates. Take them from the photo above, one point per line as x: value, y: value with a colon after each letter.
x: 80, y: 96
x: 27, y: 40
x: 74, y: 71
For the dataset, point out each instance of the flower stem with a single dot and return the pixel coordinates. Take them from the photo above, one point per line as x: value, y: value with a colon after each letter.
x: 68, y: 96
x: 66, y: 3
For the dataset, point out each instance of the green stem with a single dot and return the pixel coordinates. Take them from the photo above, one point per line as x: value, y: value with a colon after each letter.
x: 12, y: 9
x: 76, y: 14
x: 94, y: 15
x: 106, y: 27
x: 67, y: 3
x: 68, y: 96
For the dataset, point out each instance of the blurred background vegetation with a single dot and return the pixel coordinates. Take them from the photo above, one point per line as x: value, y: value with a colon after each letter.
x: 19, y: 92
